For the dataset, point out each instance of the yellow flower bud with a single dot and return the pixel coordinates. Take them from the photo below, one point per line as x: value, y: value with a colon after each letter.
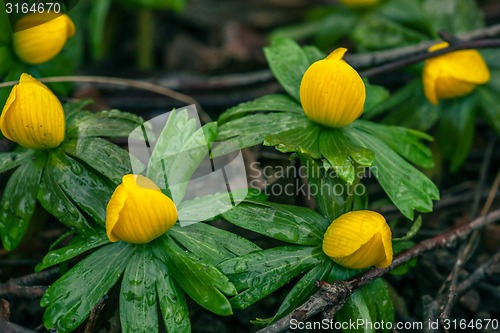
x: 33, y: 116
x: 138, y: 211
x: 355, y: 3
x: 359, y: 239
x: 39, y: 37
x: 331, y: 92
x: 453, y: 74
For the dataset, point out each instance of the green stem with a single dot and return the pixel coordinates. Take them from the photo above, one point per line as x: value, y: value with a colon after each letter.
x: 145, y: 44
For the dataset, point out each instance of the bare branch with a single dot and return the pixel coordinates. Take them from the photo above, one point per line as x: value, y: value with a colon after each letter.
x: 335, y: 294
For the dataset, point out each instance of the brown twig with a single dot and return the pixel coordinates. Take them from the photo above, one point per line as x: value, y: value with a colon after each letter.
x: 371, y: 59
x: 490, y: 267
x: 136, y: 84
x: 491, y: 196
x: 469, y: 247
x: 7, y: 327
x: 332, y: 294
x: 413, y: 59
x: 27, y: 286
x: 94, y: 314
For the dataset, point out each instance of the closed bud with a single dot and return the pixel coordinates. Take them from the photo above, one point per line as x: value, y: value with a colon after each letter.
x: 138, y: 211
x: 331, y: 92
x: 33, y: 116
x: 453, y: 74
x: 359, y: 239
x: 39, y: 37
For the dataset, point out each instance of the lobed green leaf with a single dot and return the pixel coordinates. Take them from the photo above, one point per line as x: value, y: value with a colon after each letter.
x: 104, y: 157
x: 204, y: 283
x: 408, y: 188
x: 210, y: 243
x: 138, y: 302
x: 253, y: 129
x: 78, y: 245
x: 258, y: 274
x: 19, y: 200
x: 273, y: 102
x: 71, y: 298
x: 287, y: 223
x: 288, y: 62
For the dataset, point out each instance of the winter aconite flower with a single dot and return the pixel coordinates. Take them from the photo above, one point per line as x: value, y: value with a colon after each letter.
x: 33, y: 116
x: 138, y: 211
x: 39, y: 37
x: 453, y: 74
x: 359, y: 239
x: 331, y: 92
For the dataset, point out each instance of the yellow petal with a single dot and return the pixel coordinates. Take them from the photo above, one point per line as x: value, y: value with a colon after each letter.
x: 359, y: 239
x: 360, y: 259
x: 114, y: 208
x: 331, y: 92
x: 138, y: 211
x: 33, y: 116
x: 39, y: 37
x: 453, y: 74
x: 449, y: 87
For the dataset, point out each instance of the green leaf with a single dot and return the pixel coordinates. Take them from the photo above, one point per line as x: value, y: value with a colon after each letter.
x: 182, y: 165
x: 79, y: 244
x: 258, y: 274
x: 252, y: 130
x: 209, y: 207
x: 332, y: 195
x: 178, y: 152
x: 14, y: 159
x: 204, y: 283
x: 454, y: 17
x: 56, y: 202
x: 71, y: 298
x: 378, y: 32
x: 106, y: 158
x: 112, y: 123
x: 73, y: 177
x: 342, y: 154
x: 174, y: 309
x: 74, y: 111
x: 287, y: 223
x: 375, y: 95
x: 399, y: 246
x: 408, y: 188
x: 138, y: 303
x: 274, y: 102
x: 176, y: 132
x: 404, y: 141
x: 210, y: 243
x: 313, y: 53
x: 97, y: 20
x: 408, y: 108
x: 303, y: 140
x: 288, y: 62
x: 379, y: 302
x: 303, y: 289
x: 489, y: 107
x: 415, y: 227
x: 456, y: 129
x: 355, y: 308
x: 19, y: 199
